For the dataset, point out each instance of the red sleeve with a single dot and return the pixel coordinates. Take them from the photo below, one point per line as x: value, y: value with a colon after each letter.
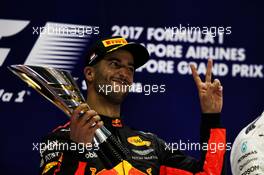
x: 212, y: 159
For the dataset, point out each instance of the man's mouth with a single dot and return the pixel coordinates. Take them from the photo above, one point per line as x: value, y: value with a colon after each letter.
x: 120, y: 81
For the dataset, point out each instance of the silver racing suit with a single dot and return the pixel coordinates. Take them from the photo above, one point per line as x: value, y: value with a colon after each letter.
x: 247, y: 155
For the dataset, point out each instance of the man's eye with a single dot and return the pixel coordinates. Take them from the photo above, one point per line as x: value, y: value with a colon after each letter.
x: 114, y: 64
x: 131, y: 69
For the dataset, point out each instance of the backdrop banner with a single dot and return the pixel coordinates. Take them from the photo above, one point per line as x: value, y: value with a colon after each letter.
x: 164, y: 98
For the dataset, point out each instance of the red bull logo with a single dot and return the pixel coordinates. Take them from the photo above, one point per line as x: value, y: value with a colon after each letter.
x: 116, y: 123
x: 122, y: 168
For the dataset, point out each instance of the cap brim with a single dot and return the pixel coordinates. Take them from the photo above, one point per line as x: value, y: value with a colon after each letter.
x: 139, y: 52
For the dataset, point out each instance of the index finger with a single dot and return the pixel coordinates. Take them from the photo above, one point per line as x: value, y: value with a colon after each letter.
x: 195, y: 75
x: 80, y: 110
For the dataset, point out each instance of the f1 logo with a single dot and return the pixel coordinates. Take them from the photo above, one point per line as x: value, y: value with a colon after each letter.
x: 9, y: 28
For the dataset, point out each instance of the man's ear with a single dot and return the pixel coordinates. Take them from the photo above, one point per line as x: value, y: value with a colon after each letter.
x: 89, y: 73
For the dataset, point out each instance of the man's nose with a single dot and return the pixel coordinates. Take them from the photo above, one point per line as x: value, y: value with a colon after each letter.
x: 124, y: 72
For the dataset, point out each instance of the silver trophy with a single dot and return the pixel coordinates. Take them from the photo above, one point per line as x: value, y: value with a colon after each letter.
x: 59, y: 87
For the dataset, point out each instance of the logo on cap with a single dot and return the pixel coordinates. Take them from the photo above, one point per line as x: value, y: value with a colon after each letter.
x: 92, y: 57
x: 114, y: 41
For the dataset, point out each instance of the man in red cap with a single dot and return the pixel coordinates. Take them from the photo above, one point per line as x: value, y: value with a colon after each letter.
x: 112, y: 63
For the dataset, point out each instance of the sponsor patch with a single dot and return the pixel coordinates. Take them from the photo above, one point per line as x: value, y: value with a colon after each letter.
x: 49, y: 166
x: 145, y: 157
x: 143, y: 152
x: 90, y: 155
x: 116, y: 123
x: 137, y: 141
x: 50, y: 156
x: 244, y: 147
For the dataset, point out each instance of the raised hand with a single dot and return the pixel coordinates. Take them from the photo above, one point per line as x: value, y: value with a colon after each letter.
x: 210, y: 93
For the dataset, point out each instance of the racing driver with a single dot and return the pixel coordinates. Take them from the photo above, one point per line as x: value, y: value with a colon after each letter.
x: 112, y: 62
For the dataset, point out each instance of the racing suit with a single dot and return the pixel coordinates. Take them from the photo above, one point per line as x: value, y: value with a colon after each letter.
x: 247, y: 155
x: 149, y: 154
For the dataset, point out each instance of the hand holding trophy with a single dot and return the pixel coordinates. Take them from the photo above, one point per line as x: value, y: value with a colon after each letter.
x: 59, y: 87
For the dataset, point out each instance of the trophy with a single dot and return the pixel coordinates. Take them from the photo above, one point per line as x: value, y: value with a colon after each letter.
x: 59, y: 87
